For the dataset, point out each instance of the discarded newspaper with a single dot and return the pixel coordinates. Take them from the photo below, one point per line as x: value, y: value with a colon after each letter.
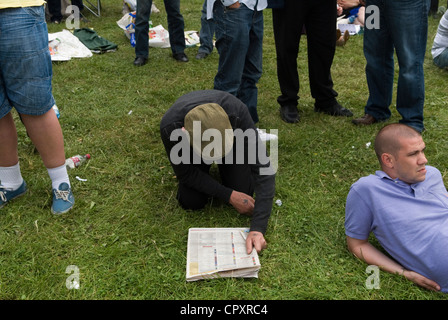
x: 220, y: 252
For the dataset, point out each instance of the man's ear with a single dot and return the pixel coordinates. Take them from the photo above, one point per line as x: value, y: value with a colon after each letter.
x: 388, y: 160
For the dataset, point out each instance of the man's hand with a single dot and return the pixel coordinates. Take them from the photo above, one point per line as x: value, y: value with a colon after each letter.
x: 420, y: 280
x: 371, y: 255
x: 236, y: 5
x: 243, y: 203
x: 255, y: 240
x: 339, y: 10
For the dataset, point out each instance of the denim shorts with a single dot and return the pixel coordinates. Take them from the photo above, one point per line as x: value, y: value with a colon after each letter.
x: 25, y: 62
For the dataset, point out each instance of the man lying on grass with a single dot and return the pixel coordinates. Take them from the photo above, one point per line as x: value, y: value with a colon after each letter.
x: 405, y: 205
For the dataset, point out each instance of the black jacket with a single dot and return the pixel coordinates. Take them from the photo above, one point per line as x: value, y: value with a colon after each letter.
x: 194, y: 178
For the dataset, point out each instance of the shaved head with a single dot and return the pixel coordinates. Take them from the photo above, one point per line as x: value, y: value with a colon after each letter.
x: 388, y: 139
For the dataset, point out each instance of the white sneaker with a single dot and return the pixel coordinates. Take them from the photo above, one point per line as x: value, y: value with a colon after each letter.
x: 266, y: 136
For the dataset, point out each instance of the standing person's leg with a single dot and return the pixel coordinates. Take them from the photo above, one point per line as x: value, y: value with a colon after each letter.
x: 141, y: 31
x: 232, y: 42
x: 176, y: 29
x: 321, y: 27
x: 79, y: 4
x: 11, y: 181
x: 379, y: 54
x: 434, y: 7
x: 54, y: 7
x: 8, y: 142
x: 27, y: 73
x: 410, y: 46
x: 248, y: 91
x: 288, y: 24
x: 46, y: 134
x: 12, y: 184
x: 206, y: 34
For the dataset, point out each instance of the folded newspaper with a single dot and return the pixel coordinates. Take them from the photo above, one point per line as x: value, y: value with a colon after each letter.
x: 220, y: 252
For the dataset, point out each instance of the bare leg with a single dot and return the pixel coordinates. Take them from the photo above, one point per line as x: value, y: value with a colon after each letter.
x: 8, y: 142
x: 46, y: 134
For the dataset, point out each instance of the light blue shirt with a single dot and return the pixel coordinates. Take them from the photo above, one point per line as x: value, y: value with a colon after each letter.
x: 409, y: 221
x: 251, y: 4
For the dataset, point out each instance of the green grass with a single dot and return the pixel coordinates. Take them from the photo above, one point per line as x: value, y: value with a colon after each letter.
x: 127, y: 234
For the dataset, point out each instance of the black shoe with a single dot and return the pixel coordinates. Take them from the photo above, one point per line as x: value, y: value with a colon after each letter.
x: 140, y: 61
x: 289, y: 114
x: 182, y: 57
x: 201, y: 55
x: 334, y: 110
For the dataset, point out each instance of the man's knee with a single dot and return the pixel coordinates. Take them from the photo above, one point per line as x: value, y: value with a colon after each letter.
x: 191, y: 200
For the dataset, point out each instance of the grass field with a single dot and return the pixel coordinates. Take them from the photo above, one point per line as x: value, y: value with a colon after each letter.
x: 127, y: 235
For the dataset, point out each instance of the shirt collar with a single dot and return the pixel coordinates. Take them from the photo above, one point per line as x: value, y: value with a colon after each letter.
x: 383, y: 175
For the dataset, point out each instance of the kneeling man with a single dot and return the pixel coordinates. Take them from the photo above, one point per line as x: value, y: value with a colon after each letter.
x: 209, y: 126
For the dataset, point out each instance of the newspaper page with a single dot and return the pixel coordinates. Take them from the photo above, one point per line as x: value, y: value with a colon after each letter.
x: 220, y: 252
x: 352, y: 28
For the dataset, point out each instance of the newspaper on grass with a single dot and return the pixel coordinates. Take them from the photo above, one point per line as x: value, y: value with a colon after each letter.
x: 220, y: 252
x: 352, y: 28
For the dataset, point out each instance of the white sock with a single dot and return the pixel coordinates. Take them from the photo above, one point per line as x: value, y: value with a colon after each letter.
x: 58, y: 175
x: 11, y: 177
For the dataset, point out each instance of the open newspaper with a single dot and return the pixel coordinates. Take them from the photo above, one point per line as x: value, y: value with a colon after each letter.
x: 220, y: 252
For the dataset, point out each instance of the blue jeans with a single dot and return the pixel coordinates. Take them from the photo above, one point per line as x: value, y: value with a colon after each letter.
x: 403, y: 26
x: 442, y: 59
x: 175, y: 27
x: 25, y: 62
x: 207, y: 31
x: 239, y: 41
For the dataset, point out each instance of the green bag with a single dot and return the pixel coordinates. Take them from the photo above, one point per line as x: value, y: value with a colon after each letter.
x: 94, y: 42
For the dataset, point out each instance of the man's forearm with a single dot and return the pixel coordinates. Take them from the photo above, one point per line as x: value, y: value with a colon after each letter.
x: 366, y: 252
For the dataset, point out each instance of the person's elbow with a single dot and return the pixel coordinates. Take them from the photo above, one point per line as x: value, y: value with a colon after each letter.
x: 355, y: 246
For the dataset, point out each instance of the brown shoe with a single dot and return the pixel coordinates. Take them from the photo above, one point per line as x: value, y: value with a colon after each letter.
x: 338, y: 34
x: 367, y: 119
x: 341, y: 40
x: 346, y: 36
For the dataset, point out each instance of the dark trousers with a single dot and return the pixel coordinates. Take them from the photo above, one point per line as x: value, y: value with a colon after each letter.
x: 54, y: 7
x: 175, y: 26
x: 435, y: 6
x: 319, y: 19
x: 234, y: 176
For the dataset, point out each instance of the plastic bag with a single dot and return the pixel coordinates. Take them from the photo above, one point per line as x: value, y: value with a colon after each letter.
x: 159, y: 37
x: 127, y: 23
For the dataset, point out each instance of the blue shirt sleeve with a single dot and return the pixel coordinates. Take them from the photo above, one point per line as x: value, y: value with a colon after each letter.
x: 358, y: 216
